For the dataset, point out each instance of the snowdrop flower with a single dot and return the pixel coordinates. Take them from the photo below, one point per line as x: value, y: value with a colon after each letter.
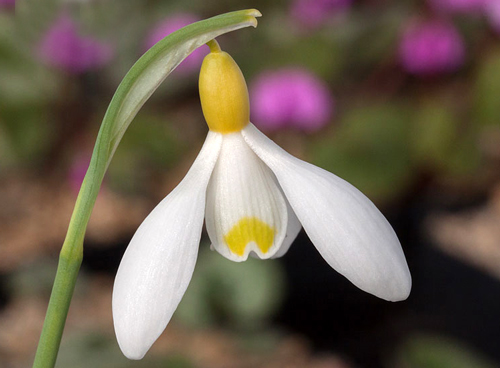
x: 254, y: 197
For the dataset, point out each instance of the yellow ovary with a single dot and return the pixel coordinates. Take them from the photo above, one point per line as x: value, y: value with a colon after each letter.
x: 249, y: 229
x: 223, y: 93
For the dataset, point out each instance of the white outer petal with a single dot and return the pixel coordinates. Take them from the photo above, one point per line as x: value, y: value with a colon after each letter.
x: 242, y: 186
x: 347, y: 229
x: 159, y: 261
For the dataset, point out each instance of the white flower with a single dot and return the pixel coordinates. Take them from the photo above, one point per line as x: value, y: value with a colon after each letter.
x: 254, y: 197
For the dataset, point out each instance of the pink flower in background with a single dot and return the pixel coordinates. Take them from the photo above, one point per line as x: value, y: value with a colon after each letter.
x: 77, y: 172
x: 313, y: 13
x: 431, y: 47
x: 492, y: 8
x: 290, y: 98
x: 171, y: 24
x: 459, y: 6
x: 7, y: 4
x: 64, y: 47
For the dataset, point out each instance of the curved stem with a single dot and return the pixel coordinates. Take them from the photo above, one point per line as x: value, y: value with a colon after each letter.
x: 70, y: 260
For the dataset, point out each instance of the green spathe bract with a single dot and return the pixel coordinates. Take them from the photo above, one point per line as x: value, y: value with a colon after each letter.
x: 135, y: 89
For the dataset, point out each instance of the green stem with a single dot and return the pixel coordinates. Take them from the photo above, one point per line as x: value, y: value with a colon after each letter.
x: 70, y: 260
x: 60, y: 299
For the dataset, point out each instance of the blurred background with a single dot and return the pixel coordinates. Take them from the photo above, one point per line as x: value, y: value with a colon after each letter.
x: 399, y: 97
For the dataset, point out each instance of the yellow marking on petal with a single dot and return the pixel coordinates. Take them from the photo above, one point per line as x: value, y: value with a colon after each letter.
x: 223, y: 92
x: 249, y: 229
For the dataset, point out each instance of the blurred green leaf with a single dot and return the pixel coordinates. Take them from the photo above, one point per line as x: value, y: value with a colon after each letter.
x: 440, y: 352
x: 313, y: 52
x: 29, y: 132
x: 155, y: 138
x: 32, y: 279
x: 369, y: 41
x: 284, y: 46
x: 434, y: 134
x: 6, y: 150
x: 95, y: 350
x: 487, y: 90
x: 465, y: 159
x: 150, y: 146
x: 244, y: 293
x: 23, y: 80
x: 442, y: 140
x: 370, y: 149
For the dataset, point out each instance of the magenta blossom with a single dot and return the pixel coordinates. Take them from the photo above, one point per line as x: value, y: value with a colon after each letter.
x: 313, y: 13
x: 7, y: 4
x: 492, y: 8
x: 431, y: 47
x: 77, y: 172
x: 64, y: 47
x: 290, y: 98
x: 459, y: 6
x: 171, y: 24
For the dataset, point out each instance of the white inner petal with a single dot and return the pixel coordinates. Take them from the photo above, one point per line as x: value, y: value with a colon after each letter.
x: 245, y: 211
x: 292, y: 230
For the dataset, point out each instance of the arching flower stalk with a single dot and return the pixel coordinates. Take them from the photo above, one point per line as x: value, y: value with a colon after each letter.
x: 254, y: 197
